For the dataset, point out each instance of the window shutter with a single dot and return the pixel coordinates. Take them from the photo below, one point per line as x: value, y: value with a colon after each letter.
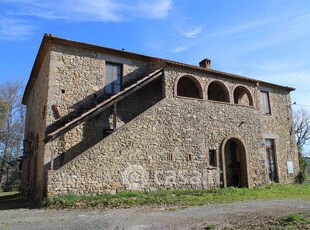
x: 265, y: 102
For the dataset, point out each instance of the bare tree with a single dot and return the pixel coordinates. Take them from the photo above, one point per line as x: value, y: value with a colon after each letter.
x: 11, y: 133
x: 302, y: 126
x: 13, y: 127
x: 3, y: 110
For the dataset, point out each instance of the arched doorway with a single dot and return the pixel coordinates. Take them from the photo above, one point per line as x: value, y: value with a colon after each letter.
x: 234, y: 163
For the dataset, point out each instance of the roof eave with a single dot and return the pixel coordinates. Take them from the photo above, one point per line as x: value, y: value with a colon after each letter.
x: 36, y: 67
x: 48, y: 39
x: 225, y: 74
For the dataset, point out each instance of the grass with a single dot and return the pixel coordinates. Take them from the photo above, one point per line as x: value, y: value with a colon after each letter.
x: 293, y: 218
x: 179, y: 197
x: 292, y: 221
x: 296, y: 219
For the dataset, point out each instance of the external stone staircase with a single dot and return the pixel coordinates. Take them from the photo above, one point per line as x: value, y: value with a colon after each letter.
x: 69, y: 122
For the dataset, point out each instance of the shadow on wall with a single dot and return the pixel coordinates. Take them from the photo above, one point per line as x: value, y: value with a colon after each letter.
x: 92, y: 100
x: 97, y: 128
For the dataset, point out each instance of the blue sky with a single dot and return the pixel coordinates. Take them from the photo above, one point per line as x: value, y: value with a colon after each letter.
x: 266, y: 39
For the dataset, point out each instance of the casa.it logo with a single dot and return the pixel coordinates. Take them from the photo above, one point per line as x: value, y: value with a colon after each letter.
x: 135, y: 177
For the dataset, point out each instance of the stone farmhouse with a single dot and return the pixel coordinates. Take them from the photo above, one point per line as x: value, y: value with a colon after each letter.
x: 101, y: 120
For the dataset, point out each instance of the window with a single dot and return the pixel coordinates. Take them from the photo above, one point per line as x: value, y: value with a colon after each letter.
x: 187, y: 87
x: 217, y: 91
x: 265, y: 102
x: 44, y: 111
x: 242, y: 96
x: 212, y: 158
x: 113, y: 77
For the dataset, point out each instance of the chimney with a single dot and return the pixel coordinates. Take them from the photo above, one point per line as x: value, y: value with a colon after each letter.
x: 205, y: 63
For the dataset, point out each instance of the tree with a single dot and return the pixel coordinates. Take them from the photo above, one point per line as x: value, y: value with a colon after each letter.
x: 12, y: 127
x: 302, y: 132
x: 302, y: 126
x: 3, y: 111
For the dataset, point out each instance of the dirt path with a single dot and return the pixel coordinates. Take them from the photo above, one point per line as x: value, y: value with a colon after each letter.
x: 231, y: 215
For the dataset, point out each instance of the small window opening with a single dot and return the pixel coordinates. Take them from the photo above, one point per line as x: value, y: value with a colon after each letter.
x: 95, y: 95
x: 169, y: 156
x: 212, y: 158
x: 63, y: 91
x: 44, y: 110
x: 189, y: 157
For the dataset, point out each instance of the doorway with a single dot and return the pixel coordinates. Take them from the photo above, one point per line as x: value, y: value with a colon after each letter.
x: 234, y: 164
x: 271, y: 161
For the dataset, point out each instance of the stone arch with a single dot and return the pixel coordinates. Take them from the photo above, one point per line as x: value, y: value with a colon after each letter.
x: 217, y: 91
x: 234, y: 162
x: 242, y: 96
x: 188, y: 86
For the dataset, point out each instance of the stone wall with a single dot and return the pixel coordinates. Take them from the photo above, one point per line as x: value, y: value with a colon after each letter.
x: 278, y: 126
x: 152, y: 151
x: 78, y: 76
x: 77, y: 79
x: 33, y: 175
x: 162, y: 141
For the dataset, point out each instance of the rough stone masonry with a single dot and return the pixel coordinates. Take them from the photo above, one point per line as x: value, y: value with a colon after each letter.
x: 191, y: 128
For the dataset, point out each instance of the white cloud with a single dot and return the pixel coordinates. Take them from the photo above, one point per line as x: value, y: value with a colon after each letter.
x: 242, y: 27
x: 94, y: 10
x: 19, y: 14
x: 268, y: 32
x: 14, y: 29
x: 154, y: 9
x: 180, y: 49
x: 192, y: 33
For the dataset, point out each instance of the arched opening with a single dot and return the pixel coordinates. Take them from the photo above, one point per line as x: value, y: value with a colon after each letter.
x: 217, y: 91
x: 189, y: 87
x: 242, y: 96
x: 235, y: 166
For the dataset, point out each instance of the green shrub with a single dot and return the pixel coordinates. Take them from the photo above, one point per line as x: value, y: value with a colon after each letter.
x: 14, y: 183
x: 302, y: 175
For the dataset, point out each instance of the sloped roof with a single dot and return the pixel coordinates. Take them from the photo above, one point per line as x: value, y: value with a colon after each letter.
x: 48, y: 39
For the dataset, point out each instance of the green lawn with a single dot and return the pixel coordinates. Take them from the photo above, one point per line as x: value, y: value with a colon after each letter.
x: 180, y: 197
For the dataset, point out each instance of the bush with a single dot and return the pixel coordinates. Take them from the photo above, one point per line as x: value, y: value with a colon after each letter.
x: 302, y: 175
x: 14, y: 183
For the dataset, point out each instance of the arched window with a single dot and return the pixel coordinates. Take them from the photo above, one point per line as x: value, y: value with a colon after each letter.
x: 217, y: 91
x: 242, y: 96
x: 189, y: 87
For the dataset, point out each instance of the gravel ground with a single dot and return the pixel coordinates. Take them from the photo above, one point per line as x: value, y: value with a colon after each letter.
x: 232, y: 215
